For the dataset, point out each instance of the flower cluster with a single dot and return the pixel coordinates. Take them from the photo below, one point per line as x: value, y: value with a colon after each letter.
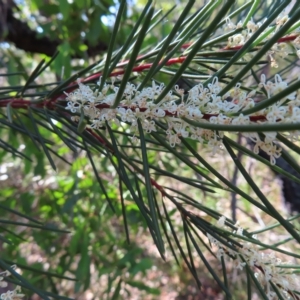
x: 202, y: 104
x: 271, y: 268
x: 10, y: 294
x: 280, y: 49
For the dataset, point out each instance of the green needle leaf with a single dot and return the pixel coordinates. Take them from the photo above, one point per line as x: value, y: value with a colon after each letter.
x: 260, y: 194
x: 28, y: 285
x: 245, y: 128
x: 264, y: 49
x: 150, y: 191
x: 32, y: 77
x: 133, y: 57
x: 251, y: 12
x: 165, y: 46
x: 112, y: 42
x: 195, y: 49
x: 208, y: 266
x: 41, y: 139
x: 128, y: 41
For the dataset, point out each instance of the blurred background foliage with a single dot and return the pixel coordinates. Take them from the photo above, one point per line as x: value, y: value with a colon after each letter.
x: 62, y: 233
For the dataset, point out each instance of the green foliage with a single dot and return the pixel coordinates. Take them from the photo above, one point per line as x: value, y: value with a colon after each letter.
x: 89, y: 202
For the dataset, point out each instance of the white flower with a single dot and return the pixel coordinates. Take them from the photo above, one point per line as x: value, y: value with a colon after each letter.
x: 221, y: 221
x: 203, y: 104
x: 274, y: 153
x: 276, y: 113
x: 215, y: 144
x: 73, y: 106
x: 241, y: 120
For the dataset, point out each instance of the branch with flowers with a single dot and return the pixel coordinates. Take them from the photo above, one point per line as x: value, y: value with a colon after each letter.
x: 130, y: 100
x: 203, y: 105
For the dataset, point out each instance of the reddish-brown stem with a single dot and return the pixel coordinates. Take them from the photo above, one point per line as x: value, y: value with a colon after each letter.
x: 99, y: 139
x: 21, y: 103
x: 147, y: 66
x: 158, y: 187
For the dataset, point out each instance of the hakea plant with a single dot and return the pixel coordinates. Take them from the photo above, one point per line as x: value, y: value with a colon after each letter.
x: 217, y: 103
x: 14, y: 294
x: 270, y: 269
x: 202, y: 104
